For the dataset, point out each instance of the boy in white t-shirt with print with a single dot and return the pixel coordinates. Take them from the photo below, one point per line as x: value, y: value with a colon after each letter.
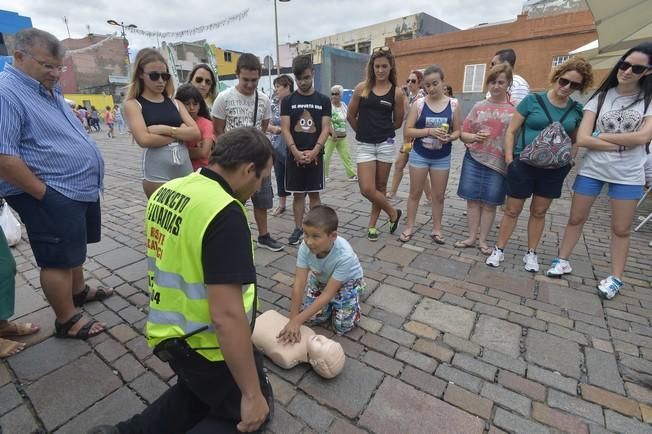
x: 328, y: 281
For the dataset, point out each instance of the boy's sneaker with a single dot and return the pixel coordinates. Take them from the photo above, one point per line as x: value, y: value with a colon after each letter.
x: 372, y: 234
x: 296, y: 236
x: 270, y: 243
x: 558, y: 268
x: 609, y: 287
x: 497, y: 256
x: 531, y: 262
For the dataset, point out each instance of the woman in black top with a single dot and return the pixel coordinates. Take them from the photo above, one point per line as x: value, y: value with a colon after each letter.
x: 158, y: 123
x: 375, y: 112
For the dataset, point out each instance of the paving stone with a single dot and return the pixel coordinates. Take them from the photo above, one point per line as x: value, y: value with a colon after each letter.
x: 527, y: 321
x: 639, y: 393
x: 9, y: 398
x: 29, y: 364
x: 149, y: 386
x: 576, y: 300
x: 576, y: 406
x: 611, y: 400
x: 622, y: 424
x: 636, y: 363
x: 132, y: 314
x: 562, y: 421
x: 109, y: 318
x: 27, y: 301
x: 311, y: 413
x: 602, y: 345
x: 110, y: 349
x: 446, y: 318
x: 503, y: 361
x: 553, y: 352
x: 414, y: 411
x: 556, y: 319
x: 349, y: 392
x: 19, y: 421
x: 519, y: 384
x: 5, y: 375
x: 293, y: 375
x: 483, y: 276
x: 351, y: 348
x: 284, y: 423
x: 498, y: 335
x: 513, y: 401
x: 123, y: 333
x: 160, y: 368
x: 418, y: 360
x: 475, y: 366
x: 379, y: 344
x: 468, y: 401
x: 399, y: 336
x: 423, y: 381
x: 396, y: 255
x: 133, y: 272
x: 553, y: 379
x: 565, y: 333
x: 140, y: 348
x: 59, y: 396
x: 603, y: 370
x: 283, y: 391
x: 382, y: 362
x: 523, y: 310
x: 646, y: 412
x: 118, y: 406
x: 370, y: 324
x: 444, y: 267
x: 387, y: 318
x: 460, y: 344
x: 392, y: 299
x: 518, y: 424
x: 420, y: 329
x: 455, y: 376
x: 128, y: 367
x: 119, y: 257
x: 341, y: 426
x: 433, y: 349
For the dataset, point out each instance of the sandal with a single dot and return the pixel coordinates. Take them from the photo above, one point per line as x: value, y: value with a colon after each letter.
x: 101, y: 293
x: 485, y: 250
x: 19, y: 329
x: 405, y: 237
x: 437, y: 239
x: 394, y: 224
x: 462, y: 245
x: 278, y: 211
x: 61, y: 330
x: 9, y: 348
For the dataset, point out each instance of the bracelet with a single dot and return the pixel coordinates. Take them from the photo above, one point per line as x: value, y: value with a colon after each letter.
x: 174, y: 132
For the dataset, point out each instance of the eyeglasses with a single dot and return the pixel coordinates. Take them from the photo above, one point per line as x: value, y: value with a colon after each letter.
x: 563, y: 82
x: 46, y: 65
x: 200, y: 80
x: 155, y: 76
x: 335, y: 93
x: 382, y: 50
x: 636, y: 69
x: 413, y: 81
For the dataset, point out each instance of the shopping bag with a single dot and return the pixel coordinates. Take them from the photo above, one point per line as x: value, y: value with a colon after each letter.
x: 9, y: 224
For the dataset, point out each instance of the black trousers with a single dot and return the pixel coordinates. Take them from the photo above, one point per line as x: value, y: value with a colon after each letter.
x: 206, y: 399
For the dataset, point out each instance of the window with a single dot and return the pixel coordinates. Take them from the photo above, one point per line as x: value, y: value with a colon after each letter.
x: 350, y: 47
x: 364, y: 47
x: 558, y: 60
x: 227, y: 56
x: 473, y: 78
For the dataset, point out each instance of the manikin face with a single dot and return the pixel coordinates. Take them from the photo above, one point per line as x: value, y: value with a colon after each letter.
x: 38, y: 63
x: 202, y: 81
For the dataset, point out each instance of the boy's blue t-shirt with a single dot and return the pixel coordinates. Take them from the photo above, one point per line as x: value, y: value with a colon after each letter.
x: 536, y: 120
x: 341, y: 263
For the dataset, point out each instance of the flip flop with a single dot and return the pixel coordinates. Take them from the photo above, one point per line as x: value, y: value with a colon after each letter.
x: 20, y: 329
x: 10, y: 348
x: 278, y: 211
x: 404, y: 237
x: 394, y: 224
x: 462, y: 245
x: 486, y: 250
x: 437, y: 239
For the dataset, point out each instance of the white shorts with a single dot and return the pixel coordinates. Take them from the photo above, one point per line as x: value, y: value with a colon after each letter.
x: 383, y: 152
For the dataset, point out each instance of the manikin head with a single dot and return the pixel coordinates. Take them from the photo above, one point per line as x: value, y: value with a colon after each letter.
x: 325, y: 356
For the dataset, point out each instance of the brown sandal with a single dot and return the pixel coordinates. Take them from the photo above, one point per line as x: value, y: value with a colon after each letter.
x: 10, y: 348
x: 19, y: 329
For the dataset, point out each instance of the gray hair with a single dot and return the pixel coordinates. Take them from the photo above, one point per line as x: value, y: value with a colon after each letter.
x: 337, y: 88
x: 27, y: 39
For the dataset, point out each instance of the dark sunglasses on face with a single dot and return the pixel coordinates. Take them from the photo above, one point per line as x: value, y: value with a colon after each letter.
x: 200, y: 80
x: 636, y: 69
x: 563, y: 82
x: 335, y: 94
x: 411, y: 80
x: 155, y: 76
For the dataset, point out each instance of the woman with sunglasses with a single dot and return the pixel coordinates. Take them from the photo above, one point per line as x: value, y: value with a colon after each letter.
x: 524, y: 180
x: 434, y: 123
x: 414, y: 92
x: 617, y: 125
x: 158, y: 123
x: 337, y: 137
x: 203, y: 78
x: 375, y: 113
x: 199, y: 150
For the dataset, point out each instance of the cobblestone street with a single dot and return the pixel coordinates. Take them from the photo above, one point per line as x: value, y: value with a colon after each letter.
x: 446, y: 344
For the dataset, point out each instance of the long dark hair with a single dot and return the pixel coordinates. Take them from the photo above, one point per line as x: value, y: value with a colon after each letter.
x: 370, y: 79
x: 212, y: 93
x: 187, y: 92
x: 645, y: 82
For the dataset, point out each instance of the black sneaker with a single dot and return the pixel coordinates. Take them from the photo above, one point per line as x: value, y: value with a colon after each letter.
x: 270, y: 243
x: 296, y: 236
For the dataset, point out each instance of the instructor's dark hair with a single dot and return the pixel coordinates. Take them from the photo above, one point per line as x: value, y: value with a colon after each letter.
x: 242, y: 146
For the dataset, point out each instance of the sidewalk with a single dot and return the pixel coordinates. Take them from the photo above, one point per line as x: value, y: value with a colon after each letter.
x: 446, y: 345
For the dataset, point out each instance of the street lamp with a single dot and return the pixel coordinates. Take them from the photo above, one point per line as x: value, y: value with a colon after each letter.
x: 278, y: 57
x: 124, y: 36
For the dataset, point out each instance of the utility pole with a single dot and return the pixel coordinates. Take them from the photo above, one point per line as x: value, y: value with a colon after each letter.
x: 65, y: 20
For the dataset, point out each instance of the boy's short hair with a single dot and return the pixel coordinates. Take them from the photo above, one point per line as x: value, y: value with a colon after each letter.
x: 322, y: 217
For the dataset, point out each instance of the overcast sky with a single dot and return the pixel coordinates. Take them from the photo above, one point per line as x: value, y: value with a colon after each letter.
x: 298, y: 19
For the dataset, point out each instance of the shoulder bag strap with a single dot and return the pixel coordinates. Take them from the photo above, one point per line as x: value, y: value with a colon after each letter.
x: 567, y: 112
x: 601, y: 99
x: 543, y: 106
x: 255, y: 109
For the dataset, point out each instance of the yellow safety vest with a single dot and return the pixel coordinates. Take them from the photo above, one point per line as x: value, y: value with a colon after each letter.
x: 177, y: 216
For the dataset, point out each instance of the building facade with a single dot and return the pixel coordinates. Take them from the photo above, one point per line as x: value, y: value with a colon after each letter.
x: 10, y: 23
x: 225, y: 59
x: 183, y: 56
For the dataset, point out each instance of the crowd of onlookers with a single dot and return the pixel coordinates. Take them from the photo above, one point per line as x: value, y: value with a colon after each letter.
x: 91, y: 119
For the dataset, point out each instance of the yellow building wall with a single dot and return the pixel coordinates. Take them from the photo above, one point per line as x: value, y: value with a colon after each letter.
x: 99, y: 101
x: 225, y: 67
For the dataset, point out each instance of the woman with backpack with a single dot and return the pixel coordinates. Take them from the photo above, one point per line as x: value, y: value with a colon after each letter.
x: 538, y: 154
x: 617, y: 125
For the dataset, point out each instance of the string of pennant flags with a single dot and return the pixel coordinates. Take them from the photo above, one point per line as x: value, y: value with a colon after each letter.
x: 188, y: 32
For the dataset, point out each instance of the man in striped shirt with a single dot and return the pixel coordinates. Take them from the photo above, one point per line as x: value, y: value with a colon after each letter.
x: 51, y: 173
x: 520, y: 87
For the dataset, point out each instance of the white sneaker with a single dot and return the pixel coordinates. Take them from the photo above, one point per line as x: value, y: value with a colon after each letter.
x: 497, y: 256
x: 558, y: 268
x: 531, y: 262
x: 609, y: 287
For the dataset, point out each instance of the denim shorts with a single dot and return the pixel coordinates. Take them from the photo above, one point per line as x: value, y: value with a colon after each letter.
x: 264, y: 198
x: 383, y: 152
x: 588, y: 186
x: 58, y: 227
x: 481, y: 183
x: 343, y: 311
x: 420, y: 162
x: 524, y: 180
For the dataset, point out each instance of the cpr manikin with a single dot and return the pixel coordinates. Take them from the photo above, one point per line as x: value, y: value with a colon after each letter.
x: 325, y: 355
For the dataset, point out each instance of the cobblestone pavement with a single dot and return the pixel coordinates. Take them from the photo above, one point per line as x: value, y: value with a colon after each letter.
x: 446, y: 344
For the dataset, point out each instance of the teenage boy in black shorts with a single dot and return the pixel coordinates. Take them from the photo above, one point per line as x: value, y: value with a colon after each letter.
x: 305, y: 124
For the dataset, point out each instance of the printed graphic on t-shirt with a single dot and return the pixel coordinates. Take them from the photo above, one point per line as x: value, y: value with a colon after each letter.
x: 620, y: 121
x: 305, y: 124
x: 433, y: 122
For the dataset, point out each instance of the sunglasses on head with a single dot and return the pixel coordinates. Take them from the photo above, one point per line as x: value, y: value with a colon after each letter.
x: 382, y: 50
x: 636, y: 69
x: 155, y: 76
x: 200, y: 80
x: 563, y: 82
x: 411, y: 80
